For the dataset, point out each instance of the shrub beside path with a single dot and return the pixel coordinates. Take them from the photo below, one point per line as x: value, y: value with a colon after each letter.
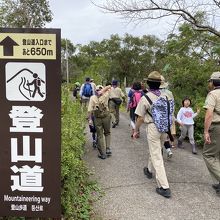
x: 129, y: 195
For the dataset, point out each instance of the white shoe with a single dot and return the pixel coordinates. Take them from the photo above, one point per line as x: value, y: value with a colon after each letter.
x: 169, y: 154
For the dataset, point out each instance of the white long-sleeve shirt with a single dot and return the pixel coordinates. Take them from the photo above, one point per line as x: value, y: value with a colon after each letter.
x: 186, y: 115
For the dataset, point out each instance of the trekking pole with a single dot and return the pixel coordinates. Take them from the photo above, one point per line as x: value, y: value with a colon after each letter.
x: 29, y: 88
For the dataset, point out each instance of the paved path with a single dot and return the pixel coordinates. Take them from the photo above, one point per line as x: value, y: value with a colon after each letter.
x: 129, y: 195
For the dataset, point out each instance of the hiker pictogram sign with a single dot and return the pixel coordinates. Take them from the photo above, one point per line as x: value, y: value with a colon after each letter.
x: 30, y: 122
x: 25, y: 81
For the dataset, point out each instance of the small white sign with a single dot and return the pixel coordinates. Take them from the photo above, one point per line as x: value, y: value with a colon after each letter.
x: 25, y: 81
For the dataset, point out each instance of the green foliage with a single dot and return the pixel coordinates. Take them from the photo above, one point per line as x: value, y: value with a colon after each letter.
x: 119, y: 57
x: 188, y: 73
x: 186, y: 60
x: 78, y: 192
x: 98, y: 70
x: 24, y: 13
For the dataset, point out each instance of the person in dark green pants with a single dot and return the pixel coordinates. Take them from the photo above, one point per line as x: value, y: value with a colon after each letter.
x: 98, y: 107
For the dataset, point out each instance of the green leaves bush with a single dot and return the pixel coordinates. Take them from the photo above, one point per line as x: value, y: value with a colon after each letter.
x: 78, y: 192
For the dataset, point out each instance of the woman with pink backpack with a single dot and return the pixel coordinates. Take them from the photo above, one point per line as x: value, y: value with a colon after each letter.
x: 134, y: 97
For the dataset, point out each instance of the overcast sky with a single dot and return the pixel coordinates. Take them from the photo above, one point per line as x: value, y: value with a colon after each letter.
x: 81, y: 22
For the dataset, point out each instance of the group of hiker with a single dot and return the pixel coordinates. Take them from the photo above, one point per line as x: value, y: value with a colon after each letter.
x: 103, y: 105
x: 154, y: 107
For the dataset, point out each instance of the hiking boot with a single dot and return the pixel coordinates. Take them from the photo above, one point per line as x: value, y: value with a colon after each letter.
x: 113, y: 125
x: 180, y: 144
x: 194, y: 149
x: 163, y: 192
x: 102, y: 156
x: 216, y: 186
x: 169, y: 153
x: 108, y: 152
x: 138, y: 135
x: 94, y: 144
x: 132, y: 132
x: 148, y: 173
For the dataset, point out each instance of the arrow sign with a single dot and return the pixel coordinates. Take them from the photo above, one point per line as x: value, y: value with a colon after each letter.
x: 8, y: 46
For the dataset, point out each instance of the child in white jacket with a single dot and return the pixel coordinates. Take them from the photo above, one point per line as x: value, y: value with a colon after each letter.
x: 185, y: 119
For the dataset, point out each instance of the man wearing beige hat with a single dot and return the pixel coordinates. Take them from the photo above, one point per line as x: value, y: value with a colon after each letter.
x: 154, y: 137
x: 115, y: 100
x: 98, y: 108
x: 211, y: 149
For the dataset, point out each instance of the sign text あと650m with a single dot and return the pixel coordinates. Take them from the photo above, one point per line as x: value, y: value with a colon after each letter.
x: 37, y: 51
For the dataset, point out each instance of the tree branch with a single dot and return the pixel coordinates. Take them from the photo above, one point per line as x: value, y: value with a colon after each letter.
x: 150, y: 10
x: 217, y: 3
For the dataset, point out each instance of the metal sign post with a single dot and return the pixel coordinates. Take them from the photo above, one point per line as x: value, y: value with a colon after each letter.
x: 30, y: 122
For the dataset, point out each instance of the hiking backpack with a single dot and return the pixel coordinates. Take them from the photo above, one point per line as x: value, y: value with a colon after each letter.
x: 101, y: 109
x: 135, y: 98
x: 161, y: 112
x: 87, y: 90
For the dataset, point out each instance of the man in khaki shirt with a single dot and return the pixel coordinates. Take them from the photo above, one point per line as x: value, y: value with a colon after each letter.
x: 155, y: 138
x: 98, y: 108
x: 211, y: 149
x: 115, y: 99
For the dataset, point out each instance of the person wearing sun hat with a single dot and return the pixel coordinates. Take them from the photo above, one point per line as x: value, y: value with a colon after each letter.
x: 164, y: 89
x: 76, y: 89
x: 116, y: 97
x: 211, y: 149
x: 164, y: 84
x: 98, y: 109
x: 93, y: 84
x: 155, y: 138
